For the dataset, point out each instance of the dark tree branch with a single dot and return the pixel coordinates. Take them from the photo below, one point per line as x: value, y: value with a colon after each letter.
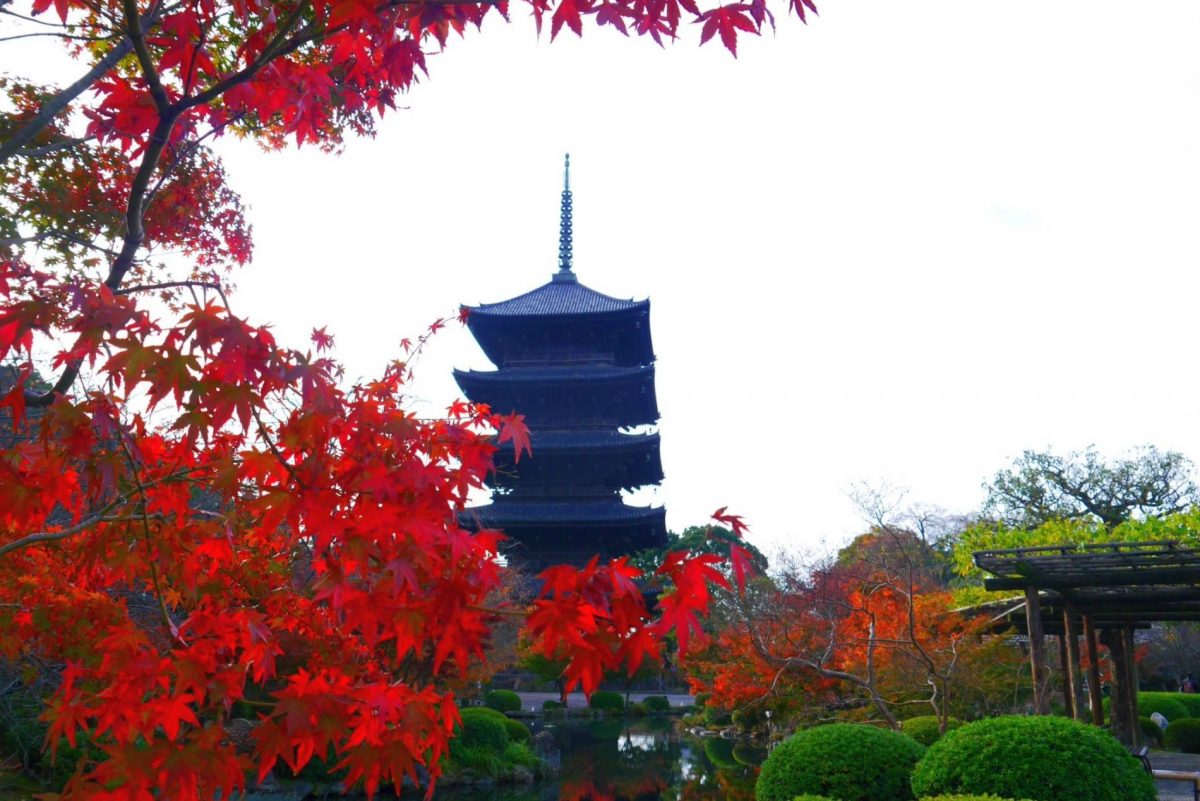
x: 57, y: 104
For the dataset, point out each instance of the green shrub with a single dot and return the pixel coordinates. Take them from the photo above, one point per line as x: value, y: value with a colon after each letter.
x: 517, y: 731
x: 550, y: 706
x: 606, y: 701
x: 1190, y: 701
x: 924, y: 728
x: 847, y: 761
x: 1183, y: 734
x: 481, y: 729
x: 502, y: 701
x: 811, y: 797
x: 715, y: 716
x: 1039, y: 758
x: 702, y: 699
x: 637, y: 710
x: 660, y: 703
x: 1151, y: 731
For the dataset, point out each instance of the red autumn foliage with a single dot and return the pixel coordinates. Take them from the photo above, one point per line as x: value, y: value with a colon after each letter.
x: 195, y: 516
x: 248, y: 528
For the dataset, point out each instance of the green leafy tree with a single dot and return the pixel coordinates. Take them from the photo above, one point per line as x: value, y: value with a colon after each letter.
x: 1043, y: 486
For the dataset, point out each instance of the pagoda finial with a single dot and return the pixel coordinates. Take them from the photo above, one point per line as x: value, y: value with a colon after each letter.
x: 564, y: 227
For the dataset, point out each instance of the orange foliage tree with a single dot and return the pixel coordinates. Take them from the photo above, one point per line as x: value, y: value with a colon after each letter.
x: 816, y: 632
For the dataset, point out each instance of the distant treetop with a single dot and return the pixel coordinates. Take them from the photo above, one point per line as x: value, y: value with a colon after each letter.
x: 1042, y: 486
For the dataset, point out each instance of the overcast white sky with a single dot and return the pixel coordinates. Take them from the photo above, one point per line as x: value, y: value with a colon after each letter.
x: 905, y: 242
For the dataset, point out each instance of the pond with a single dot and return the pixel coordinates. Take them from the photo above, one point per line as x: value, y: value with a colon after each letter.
x: 619, y: 760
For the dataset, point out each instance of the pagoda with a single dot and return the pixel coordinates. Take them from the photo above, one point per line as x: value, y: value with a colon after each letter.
x: 579, y: 365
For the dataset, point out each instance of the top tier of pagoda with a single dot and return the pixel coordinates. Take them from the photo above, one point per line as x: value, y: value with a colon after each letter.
x: 580, y: 366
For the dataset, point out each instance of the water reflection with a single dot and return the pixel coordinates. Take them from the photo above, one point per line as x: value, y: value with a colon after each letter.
x: 616, y: 760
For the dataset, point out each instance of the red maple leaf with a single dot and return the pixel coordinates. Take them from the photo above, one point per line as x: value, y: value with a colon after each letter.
x: 513, y: 428
x: 323, y: 340
x: 727, y: 21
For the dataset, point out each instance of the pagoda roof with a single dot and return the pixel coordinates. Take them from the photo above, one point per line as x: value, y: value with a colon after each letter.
x: 504, y: 512
x: 551, y: 374
x: 587, y: 439
x: 558, y: 298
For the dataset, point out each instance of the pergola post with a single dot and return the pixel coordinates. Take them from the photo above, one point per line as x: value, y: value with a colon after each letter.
x: 1132, y: 686
x: 1037, y: 652
x: 1120, y: 708
x: 1094, y: 695
x: 1065, y: 675
x: 1071, y: 663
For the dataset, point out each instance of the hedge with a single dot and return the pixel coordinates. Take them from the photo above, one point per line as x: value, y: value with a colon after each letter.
x: 1039, y: 758
x: 1166, y: 704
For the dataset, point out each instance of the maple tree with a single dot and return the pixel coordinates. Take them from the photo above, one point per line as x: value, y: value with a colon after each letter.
x: 195, y: 517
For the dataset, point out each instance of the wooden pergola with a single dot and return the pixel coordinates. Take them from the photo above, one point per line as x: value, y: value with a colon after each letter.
x: 1102, y: 593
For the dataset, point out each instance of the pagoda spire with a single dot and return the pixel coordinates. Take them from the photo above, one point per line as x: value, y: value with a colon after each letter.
x: 564, y: 227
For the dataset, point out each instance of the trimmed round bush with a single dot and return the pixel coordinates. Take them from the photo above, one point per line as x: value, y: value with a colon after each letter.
x: 924, y: 728
x: 502, y: 701
x: 657, y: 703
x: 607, y: 701
x: 550, y: 706
x: 483, y: 730
x: 1038, y: 758
x: 811, y: 797
x: 846, y: 761
x: 1183, y: 735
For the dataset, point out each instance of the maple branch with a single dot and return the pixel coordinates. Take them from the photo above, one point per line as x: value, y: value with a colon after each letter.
x: 68, y: 36
x: 137, y: 36
x: 50, y: 536
x: 99, y: 517
x: 134, y: 234
x: 34, y: 152
x: 57, y: 104
x: 129, y: 290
